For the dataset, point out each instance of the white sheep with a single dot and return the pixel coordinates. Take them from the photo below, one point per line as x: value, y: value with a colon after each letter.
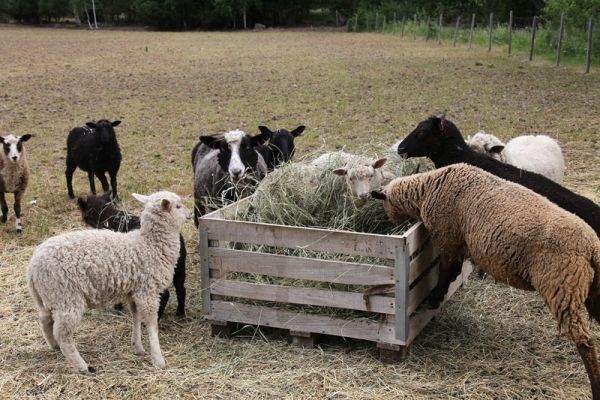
x: 93, y: 268
x: 540, y: 153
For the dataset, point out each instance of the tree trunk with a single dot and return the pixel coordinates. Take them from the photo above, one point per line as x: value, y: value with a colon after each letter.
x: 76, y: 15
x: 94, y: 12
x: 245, y: 23
x: 88, y: 19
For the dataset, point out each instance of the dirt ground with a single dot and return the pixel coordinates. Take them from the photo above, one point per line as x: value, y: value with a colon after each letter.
x: 489, y: 342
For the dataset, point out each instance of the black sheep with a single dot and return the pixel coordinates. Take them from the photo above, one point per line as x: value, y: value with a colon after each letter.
x: 281, y: 146
x: 99, y: 212
x: 440, y: 140
x: 94, y: 149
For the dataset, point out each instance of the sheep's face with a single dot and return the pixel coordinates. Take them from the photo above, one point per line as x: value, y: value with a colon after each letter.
x: 168, y: 205
x: 97, y: 210
x: 395, y: 212
x: 13, y: 146
x: 363, y: 179
x: 104, y: 130
x: 487, y: 144
x: 281, y: 143
x: 428, y: 138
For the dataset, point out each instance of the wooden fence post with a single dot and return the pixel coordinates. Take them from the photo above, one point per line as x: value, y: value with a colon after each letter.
x: 415, y: 27
x: 383, y: 25
x: 490, y: 31
x: 395, y: 20
x: 533, y: 29
x: 337, y: 18
x: 356, y: 23
x: 439, y: 32
x: 366, y: 22
x: 471, y: 32
x: 588, y: 56
x: 561, y: 32
x: 376, y: 21
x: 456, y: 31
x: 510, y: 25
x: 428, y: 29
x: 403, y: 24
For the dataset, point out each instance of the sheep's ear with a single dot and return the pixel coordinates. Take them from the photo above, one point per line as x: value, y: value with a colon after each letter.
x: 82, y: 203
x: 340, y: 171
x: 211, y: 141
x: 495, y: 149
x: 1, y: 139
x: 379, y: 163
x: 378, y: 195
x: 165, y: 204
x: 25, y: 137
x: 259, y: 139
x: 115, y: 123
x: 141, y: 197
x: 298, y: 131
x: 91, y: 125
x: 265, y: 130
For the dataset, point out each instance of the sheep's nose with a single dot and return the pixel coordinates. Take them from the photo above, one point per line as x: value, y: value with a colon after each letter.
x: 14, y: 158
x: 402, y: 151
x: 236, y: 173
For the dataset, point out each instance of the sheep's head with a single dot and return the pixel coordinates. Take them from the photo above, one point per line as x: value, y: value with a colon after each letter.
x: 237, y: 151
x: 282, y: 143
x: 13, y: 146
x: 396, y: 201
x: 362, y: 179
x: 428, y: 138
x: 166, y: 204
x: 104, y: 130
x: 487, y: 144
x: 96, y: 210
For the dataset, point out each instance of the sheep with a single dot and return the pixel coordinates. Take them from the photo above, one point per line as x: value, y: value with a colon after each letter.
x: 540, y: 153
x: 92, y: 268
x: 220, y: 174
x: 94, y: 149
x: 281, y: 145
x: 100, y: 212
x: 441, y: 141
x: 14, y: 175
x: 513, y: 234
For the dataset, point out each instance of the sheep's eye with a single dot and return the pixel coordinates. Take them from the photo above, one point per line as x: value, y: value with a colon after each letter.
x: 178, y: 206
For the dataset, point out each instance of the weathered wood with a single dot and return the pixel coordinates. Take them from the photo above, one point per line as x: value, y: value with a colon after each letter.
x: 401, y: 275
x: 422, y: 289
x: 403, y: 25
x: 588, y: 54
x: 533, y: 31
x: 392, y: 353
x: 422, y: 262
x: 204, y: 269
x: 415, y: 237
x: 439, y: 30
x: 455, y: 31
x: 303, y: 339
x: 491, y: 30
x: 471, y: 31
x: 415, y: 27
x: 510, y: 26
x: 428, y: 29
x: 228, y: 260
x: 301, y: 295
x: 375, y: 331
x: 561, y: 32
x: 230, y: 211
x: 353, y: 243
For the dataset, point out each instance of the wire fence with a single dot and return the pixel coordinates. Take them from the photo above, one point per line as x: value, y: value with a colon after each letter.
x: 551, y: 39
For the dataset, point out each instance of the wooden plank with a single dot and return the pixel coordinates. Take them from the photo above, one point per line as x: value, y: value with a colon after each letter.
x: 301, y: 295
x: 401, y: 271
x: 375, y: 331
x: 228, y: 260
x: 363, y: 244
x: 422, y: 289
x: 204, y: 269
x: 423, y: 261
x: 415, y: 236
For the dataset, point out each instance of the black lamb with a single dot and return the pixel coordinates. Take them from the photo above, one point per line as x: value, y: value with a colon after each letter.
x: 280, y: 148
x: 99, y: 212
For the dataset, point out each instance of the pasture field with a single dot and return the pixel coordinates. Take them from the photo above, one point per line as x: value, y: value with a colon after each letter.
x: 489, y: 341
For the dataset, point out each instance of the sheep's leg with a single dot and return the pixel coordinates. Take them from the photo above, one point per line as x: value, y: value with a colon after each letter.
x: 113, y: 183
x: 47, y: 324
x: 136, y: 335
x: 92, y: 183
x: 148, y: 310
x: 69, y: 175
x: 164, y: 299
x: 448, y: 273
x: 4, y: 207
x: 590, y: 360
x: 103, y: 181
x: 17, y: 208
x: 179, y: 281
x: 64, y: 327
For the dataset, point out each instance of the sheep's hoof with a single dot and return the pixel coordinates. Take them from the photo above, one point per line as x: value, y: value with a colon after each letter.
x: 181, y: 313
x: 90, y: 371
x: 159, y: 363
x: 19, y: 230
x: 139, y: 352
x: 71, y: 196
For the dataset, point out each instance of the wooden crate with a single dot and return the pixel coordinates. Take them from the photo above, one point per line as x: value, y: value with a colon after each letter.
x: 412, y: 268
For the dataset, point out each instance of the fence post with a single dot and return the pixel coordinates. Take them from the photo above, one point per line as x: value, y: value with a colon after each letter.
x: 588, y: 56
x: 428, y: 29
x: 337, y: 18
x: 383, y: 25
x: 471, y: 32
x: 376, y: 21
x: 395, y: 20
x: 561, y: 32
x: 415, y: 28
x: 366, y: 22
x: 356, y: 23
x: 439, y: 32
x: 403, y: 24
x: 533, y: 29
x: 490, y: 31
x: 456, y: 31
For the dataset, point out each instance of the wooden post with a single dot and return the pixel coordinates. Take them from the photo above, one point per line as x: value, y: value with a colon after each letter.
x: 395, y: 21
x: 356, y: 23
x: 561, y: 32
x: 456, y: 31
x: 376, y: 20
x: 439, y: 32
x: 367, y: 22
x: 337, y: 19
x: 588, y: 56
x: 510, y: 25
x: 471, y: 32
x: 533, y: 29
x: 402, y: 288
x: 403, y: 24
x: 204, y: 270
x: 428, y: 29
x: 383, y: 24
x: 490, y: 31
x: 245, y: 19
x: 415, y: 27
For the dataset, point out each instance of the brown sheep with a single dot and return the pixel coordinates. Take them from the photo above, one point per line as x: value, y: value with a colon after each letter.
x: 14, y: 174
x: 513, y: 234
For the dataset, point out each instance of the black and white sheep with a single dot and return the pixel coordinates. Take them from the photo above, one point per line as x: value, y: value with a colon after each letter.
x: 281, y: 147
x: 231, y: 165
x: 441, y: 141
x: 99, y: 212
x: 513, y: 234
x: 94, y: 149
x: 14, y: 175
x: 93, y: 268
x: 536, y: 153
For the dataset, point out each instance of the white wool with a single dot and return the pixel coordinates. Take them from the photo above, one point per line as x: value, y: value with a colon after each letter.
x: 234, y: 136
x: 236, y: 169
x: 482, y: 142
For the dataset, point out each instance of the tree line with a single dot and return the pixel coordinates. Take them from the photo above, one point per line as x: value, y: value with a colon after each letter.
x: 240, y: 14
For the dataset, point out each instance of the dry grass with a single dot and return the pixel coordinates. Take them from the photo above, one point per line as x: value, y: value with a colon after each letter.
x: 490, y: 341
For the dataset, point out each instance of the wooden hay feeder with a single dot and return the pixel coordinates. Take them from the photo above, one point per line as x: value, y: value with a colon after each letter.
x: 226, y: 300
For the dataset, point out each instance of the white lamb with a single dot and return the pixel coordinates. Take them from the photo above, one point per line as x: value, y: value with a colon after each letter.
x: 540, y: 153
x: 76, y: 270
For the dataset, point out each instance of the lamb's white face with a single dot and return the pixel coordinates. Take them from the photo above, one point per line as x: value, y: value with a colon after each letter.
x: 236, y: 169
x: 487, y: 144
x: 13, y: 147
x: 363, y: 179
x: 168, y: 202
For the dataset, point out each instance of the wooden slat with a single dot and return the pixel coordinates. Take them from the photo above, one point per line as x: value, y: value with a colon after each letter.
x: 422, y: 261
x: 401, y: 292
x: 415, y: 236
x: 204, y: 269
x: 353, y: 243
x: 375, y: 331
x: 228, y: 260
x: 301, y: 295
x: 422, y: 289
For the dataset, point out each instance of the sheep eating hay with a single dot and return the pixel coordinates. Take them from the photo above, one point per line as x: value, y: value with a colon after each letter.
x: 93, y: 268
x: 513, y: 234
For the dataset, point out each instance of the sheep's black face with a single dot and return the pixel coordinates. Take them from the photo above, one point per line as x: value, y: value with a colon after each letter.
x: 281, y: 143
x: 104, y: 130
x: 96, y: 210
x: 424, y: 140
